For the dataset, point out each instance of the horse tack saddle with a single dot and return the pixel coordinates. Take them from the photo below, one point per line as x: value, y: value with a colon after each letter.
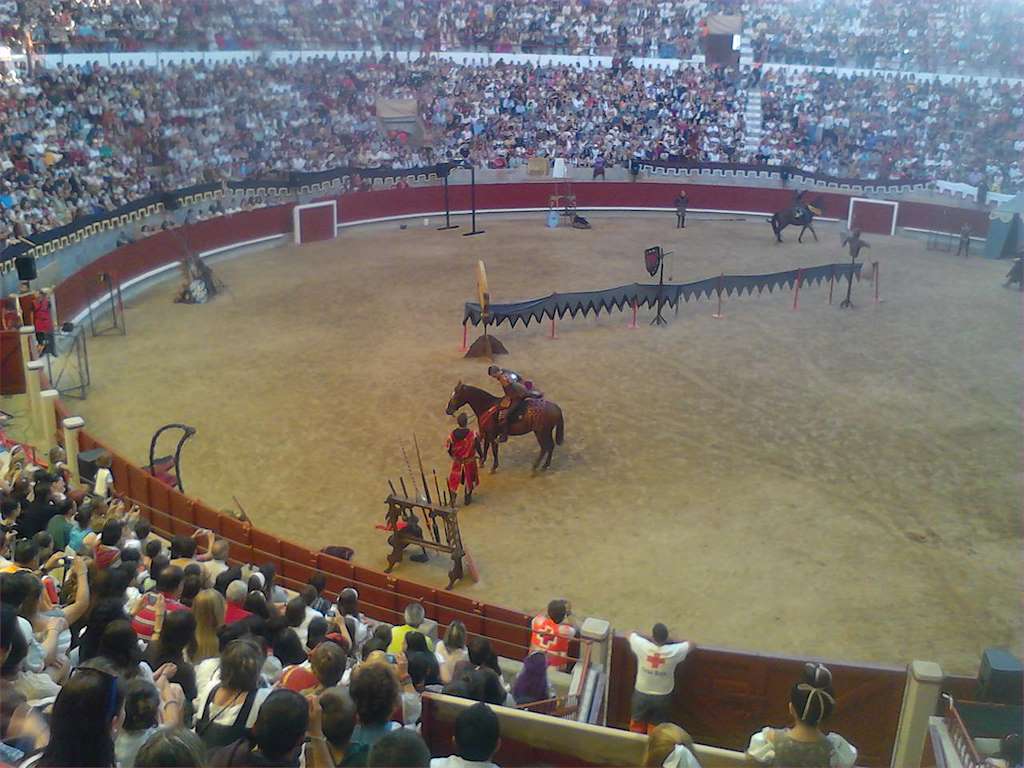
x: 529, y: 401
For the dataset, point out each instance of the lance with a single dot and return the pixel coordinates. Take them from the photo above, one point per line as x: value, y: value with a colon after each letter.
x: 423, y: 475
x: 412, y: 475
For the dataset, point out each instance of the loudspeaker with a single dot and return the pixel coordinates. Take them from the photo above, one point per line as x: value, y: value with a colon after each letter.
x: 1001, y: 677
x: 26, y: 267
x: 87, y: 464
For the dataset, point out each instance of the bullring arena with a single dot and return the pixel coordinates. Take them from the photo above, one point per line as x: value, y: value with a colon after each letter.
x: 812, y: 482
x: 776, y: 478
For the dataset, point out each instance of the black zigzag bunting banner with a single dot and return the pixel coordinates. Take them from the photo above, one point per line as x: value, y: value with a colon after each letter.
x: 644, y: 295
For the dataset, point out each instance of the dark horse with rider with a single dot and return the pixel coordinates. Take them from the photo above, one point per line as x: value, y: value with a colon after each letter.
x: 801, y: 213
x: 522, y: 410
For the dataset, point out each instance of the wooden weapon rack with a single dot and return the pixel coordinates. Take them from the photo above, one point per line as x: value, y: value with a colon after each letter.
x: 439, y: 521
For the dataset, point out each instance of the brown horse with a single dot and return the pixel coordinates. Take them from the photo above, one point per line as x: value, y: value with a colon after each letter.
x: 542, y: 417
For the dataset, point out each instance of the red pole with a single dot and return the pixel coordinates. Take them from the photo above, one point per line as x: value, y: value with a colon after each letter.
x: 796, y: 292
x: 831, y: 284
x: 721, y: 279
x: 874, y: 269
x: 465, y: 330
x: 632, y: 323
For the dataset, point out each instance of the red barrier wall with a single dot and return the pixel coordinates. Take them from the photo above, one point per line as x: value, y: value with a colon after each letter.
x: 75, y: 293
x: 83, y: 287
x: 359, y: 206
x: 722, y: 695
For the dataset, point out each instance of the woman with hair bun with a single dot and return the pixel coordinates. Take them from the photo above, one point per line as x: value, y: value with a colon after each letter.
x: 804, y: 744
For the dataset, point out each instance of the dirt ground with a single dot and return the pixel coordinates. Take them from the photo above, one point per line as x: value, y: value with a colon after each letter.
x: 833, y: 483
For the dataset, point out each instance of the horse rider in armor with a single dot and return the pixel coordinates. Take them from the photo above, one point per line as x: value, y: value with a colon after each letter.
x: 517, y: 391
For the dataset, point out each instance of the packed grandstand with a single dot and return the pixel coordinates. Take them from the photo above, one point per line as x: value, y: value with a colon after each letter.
x: 124, y: 647
x: 917, y: 35
x: 81, y: 140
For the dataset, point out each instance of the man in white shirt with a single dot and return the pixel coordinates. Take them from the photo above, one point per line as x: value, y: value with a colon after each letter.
x: 656, y: 662
x: 477, y: 738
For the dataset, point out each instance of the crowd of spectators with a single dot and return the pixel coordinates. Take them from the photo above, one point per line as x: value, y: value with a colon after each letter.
x: 636, y: 27
x: 895, y: 127
x: 119, y: 648
x: 914, y: 35
x: 76, y: 141
x: 917, y: 35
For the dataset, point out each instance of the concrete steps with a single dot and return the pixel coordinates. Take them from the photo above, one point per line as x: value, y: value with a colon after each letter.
x: 752, y: 116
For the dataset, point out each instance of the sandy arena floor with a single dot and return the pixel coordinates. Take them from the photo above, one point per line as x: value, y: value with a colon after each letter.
x: 820, y: 482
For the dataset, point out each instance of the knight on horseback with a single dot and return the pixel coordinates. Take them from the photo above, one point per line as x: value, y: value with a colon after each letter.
x: 517, y: 392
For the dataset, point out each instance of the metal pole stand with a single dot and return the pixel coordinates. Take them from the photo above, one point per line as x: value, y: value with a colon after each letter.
x: 658, y: 319
x: 472, y: 202
x: 117, y: 322
x: 447, y: 209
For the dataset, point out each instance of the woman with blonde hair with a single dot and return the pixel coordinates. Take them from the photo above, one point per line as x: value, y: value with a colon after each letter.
x: 669, y: 746
x: 208, y: 608
x: 451, y: 650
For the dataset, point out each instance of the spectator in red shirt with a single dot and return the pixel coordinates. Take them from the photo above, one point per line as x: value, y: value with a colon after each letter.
x: 233, y: 610
x: 42, y: 319
x: 108, y: 551
x: 326, y: 666
x: 168, y: 584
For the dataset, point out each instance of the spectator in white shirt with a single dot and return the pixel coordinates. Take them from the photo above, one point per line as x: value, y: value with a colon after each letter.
x: 656, y: 662
x: 451, y: 650
x: 218, y: 563
x: 477, y: 738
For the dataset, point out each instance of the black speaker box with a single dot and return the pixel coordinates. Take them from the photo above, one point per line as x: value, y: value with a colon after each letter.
x: 87, y: 464
x: 1001, y: 677
x: 26, y: 267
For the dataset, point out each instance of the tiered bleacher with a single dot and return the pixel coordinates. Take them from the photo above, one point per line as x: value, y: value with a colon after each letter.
x: 77, y: 141
x: 123, y: 647
x: 913, y: 35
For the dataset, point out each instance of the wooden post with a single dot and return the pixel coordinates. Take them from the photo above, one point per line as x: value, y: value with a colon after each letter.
x: 71, y: 426
x: 17, y: 307
x: 33, y: 371
x: 553, y: 334
x: 875, y: 276
x: 27, y: 333
x: 465, y: 331
x: 920, y: 695
x: 831, y: 284
x: 48, y: 400
x: 796, y: 291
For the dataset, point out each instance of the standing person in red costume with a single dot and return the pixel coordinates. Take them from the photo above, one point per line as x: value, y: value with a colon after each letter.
x: 42, y: 319
x: 462, y: 445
